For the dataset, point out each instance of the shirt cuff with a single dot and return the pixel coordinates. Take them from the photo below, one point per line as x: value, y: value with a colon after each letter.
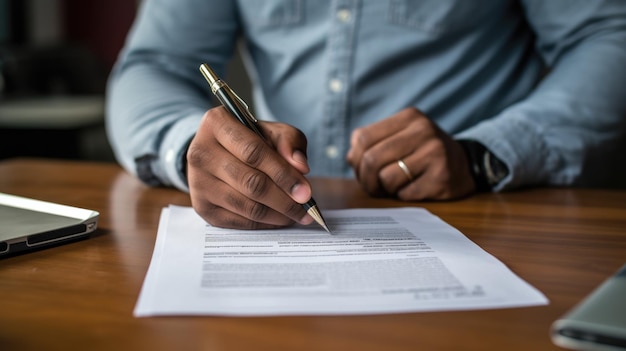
x: 173, y: 149
x: 516, y: 142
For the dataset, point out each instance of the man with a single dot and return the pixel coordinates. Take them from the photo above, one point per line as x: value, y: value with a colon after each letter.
x: 421, y: 100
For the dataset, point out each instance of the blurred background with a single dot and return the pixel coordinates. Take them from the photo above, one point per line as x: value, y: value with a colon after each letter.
x: 55, y: 58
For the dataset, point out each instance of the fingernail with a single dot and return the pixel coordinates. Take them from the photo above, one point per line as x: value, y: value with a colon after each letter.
x: 300, y: 157
x: 300, y: 194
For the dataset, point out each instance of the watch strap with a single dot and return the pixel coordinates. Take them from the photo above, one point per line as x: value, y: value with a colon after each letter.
x: 486, y: 169
x: 474, y: 151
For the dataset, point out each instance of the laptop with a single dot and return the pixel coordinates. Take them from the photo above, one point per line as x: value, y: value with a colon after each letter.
x: 598, y: 322
x: 27, y: 224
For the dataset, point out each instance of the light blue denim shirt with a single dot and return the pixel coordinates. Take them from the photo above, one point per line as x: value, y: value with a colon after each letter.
x: 541, y: 83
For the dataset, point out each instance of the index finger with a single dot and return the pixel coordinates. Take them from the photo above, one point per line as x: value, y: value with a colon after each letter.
x: 254, y: 151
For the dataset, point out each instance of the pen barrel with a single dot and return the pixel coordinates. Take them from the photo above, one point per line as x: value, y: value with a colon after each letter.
x: 233, y: 106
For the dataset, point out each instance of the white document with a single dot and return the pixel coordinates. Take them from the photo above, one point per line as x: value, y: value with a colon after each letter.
x: 392, y: 260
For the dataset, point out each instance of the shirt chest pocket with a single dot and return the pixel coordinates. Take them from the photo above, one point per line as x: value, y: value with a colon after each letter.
x: 271, y: 13
x: 441, y: 16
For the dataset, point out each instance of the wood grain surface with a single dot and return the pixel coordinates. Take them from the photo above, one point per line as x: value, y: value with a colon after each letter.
x: 80, y: 296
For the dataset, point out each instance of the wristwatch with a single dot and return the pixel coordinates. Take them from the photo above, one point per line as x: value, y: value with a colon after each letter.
x: 486, y: 169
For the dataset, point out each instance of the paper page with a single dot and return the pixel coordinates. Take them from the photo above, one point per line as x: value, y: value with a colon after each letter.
x: 392, y: 260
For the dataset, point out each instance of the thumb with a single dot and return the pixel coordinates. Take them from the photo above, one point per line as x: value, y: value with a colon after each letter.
x: 290, y: 143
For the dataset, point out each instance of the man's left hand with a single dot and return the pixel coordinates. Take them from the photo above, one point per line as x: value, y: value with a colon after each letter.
x: 436, y: 165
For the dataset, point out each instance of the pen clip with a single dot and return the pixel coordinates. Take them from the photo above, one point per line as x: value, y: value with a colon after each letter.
x: 242, y: 103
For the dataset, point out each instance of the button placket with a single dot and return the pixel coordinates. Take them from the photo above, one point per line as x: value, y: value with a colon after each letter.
x: 341, y: 49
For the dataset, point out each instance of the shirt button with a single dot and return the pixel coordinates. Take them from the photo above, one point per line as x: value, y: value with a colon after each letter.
x: 332, y: 151
x: 344, y: 15
x: 170, y: 155
x: 335, y: 85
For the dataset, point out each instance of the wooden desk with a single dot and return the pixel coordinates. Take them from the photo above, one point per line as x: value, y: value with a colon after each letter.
x: 81, y: 295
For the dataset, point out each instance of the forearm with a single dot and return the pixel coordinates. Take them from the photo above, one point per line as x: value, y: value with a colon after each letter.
x: 151, y: 116
x: 575, y: 117
x: 156, y: 96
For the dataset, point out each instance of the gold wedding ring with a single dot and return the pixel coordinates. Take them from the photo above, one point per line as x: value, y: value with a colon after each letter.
x: 405, y: 169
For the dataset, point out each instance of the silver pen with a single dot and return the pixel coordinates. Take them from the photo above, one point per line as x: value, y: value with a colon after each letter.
x: 239, y: 109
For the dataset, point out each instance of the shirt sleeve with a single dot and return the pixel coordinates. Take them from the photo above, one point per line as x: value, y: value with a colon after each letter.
x: 570, y: 129
x: 156, y: 95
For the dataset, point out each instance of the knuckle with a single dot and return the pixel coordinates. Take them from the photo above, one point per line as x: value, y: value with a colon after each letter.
x: 236, y: 202
x: 232, y: 169
x: 436, y: 149
x: 257, y: 211
x: 255, y: 184
x: 369, y: 160
x: 211, y: 213
x: 253, y: 152
x: 438, y: 145
x: 196, y: 155
x: 360, y: 137
x: 423, y: 125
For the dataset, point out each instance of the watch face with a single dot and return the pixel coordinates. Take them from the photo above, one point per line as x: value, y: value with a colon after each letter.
x: 495, y: 170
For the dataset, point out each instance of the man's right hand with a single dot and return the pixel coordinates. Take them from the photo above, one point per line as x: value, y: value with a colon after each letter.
x: 239, y: 180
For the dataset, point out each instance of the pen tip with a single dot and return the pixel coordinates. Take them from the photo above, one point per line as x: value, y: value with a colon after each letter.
x: 323, y: 224
x: 317, y: 216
